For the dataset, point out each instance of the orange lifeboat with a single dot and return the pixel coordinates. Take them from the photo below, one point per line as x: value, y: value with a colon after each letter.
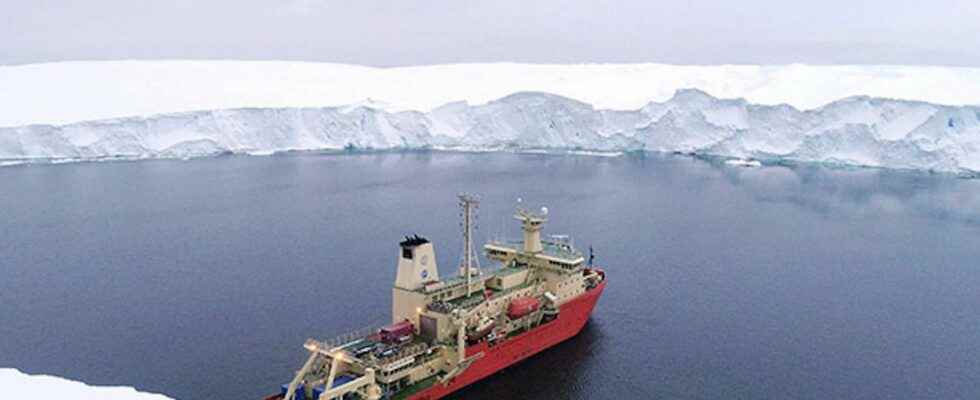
x: 522, y: 306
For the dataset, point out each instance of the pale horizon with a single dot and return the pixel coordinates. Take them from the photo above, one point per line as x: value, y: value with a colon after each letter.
x: 383, y: 34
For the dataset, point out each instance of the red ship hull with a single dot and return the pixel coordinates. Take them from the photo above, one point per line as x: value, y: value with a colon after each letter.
x: 571, y: 319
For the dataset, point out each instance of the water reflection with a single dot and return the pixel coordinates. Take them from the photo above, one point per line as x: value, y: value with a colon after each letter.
x: 861, y: 192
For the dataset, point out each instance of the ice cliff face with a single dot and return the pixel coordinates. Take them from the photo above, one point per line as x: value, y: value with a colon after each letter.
x: 860, y: 131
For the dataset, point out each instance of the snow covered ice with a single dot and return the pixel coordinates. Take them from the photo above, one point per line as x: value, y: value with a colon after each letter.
x: 18, y: 385
x: 65, y: 92
x: 435, y: 107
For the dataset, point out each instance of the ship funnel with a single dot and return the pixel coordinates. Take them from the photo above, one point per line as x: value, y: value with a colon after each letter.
x: 416, y: 263
x: 531, y: 225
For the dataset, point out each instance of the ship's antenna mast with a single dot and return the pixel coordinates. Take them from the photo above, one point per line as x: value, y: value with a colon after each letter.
x: 469, y: 204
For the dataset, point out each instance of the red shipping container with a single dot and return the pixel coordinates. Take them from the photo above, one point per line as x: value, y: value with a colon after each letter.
x: 393, y: 332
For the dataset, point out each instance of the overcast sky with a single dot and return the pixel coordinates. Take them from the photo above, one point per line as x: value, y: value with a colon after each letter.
x: 406, y: 32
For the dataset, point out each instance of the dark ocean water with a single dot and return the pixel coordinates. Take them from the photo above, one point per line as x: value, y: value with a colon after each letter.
x: 202, y: 279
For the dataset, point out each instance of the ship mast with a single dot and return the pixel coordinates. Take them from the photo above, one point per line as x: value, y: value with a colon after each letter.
x: 468, y: 205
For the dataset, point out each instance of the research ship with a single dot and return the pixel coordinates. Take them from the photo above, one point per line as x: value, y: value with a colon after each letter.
x: 448, y: 333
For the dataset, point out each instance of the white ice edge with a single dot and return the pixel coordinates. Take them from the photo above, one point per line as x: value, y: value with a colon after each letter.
x: 18, y: 385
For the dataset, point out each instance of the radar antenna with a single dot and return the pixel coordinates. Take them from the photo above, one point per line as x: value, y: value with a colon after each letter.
x: 470, y: 264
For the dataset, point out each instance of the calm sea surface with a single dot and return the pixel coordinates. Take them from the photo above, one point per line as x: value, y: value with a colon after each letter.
x: 202, y: 279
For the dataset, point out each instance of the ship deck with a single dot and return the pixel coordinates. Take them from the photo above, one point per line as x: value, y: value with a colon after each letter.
x: 477, y: 298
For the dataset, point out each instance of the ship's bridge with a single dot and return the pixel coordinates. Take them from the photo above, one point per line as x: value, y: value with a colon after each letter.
x: 557, y: 252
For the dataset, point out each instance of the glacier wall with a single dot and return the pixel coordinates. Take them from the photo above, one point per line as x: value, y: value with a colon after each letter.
x: 861, y: 131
